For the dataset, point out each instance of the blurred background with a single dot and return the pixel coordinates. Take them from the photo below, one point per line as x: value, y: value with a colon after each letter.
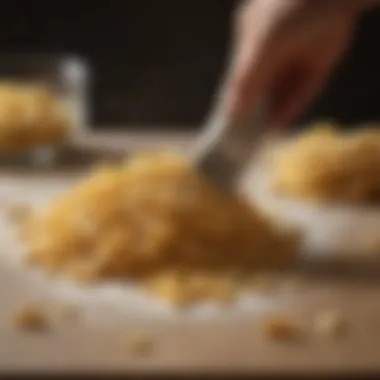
x: 156, y: 63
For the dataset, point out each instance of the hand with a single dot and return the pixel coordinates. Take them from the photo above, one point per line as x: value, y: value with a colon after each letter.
x: 286, y: 49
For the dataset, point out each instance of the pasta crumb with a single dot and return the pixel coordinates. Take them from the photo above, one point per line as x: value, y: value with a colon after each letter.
x: 31, y: 318
x: 331, y: 323
x: 281, y: 328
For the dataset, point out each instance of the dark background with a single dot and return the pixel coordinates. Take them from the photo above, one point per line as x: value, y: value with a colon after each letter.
x: 157, y: 62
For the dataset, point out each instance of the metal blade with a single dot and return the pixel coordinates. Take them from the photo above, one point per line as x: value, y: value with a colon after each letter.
x: 225, y: 146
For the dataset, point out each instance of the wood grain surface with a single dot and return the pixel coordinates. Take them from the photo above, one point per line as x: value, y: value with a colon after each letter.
x: 224, y: 341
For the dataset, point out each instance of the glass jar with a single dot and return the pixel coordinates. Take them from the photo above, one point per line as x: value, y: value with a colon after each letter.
x: 43, y: 104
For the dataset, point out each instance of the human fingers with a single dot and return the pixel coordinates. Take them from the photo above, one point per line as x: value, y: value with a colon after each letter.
x: 306, y: 75
x: 294, y: 93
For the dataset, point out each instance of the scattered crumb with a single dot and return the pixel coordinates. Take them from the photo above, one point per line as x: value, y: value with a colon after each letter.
x: 18, y: 213
x: 142, y: 343
x: 181, y: 289
x: 330, y: 323
x: 281, y: 328
x: 31, y: 318
x: 169, y: 287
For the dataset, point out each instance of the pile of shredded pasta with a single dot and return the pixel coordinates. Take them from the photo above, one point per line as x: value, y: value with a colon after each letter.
x: 325, y: 164
x: 154, y: 220
x: 30, y: 116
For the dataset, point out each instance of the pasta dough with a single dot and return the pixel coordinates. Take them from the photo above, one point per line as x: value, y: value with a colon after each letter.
x: 325, y: 164
x: 30, y: 116
x: 155, y: 220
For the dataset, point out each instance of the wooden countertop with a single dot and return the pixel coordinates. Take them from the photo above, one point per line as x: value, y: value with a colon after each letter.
x: 237, y: 345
